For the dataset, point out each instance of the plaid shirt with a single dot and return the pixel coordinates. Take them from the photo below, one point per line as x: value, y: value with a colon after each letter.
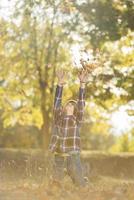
x: 66, y: 128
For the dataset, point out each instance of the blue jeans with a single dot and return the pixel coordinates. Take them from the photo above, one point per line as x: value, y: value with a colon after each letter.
x: 73, y: 165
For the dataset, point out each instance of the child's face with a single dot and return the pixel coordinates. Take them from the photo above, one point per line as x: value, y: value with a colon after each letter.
x: 69, y: 109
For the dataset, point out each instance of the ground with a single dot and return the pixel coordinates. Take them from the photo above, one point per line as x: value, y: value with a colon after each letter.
x: 32, y: 182
x: 101, y: 188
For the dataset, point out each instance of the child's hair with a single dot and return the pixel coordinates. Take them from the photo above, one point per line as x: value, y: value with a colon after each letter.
x: 72, y: 102
x: 58, y: 119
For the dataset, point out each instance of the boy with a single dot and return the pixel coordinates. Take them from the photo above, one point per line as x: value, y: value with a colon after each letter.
x: 65, y: 139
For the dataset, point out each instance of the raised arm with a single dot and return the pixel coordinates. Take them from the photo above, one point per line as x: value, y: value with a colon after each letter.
x: 58, y: 94
x: 83, y: 76
x: 58, y: 97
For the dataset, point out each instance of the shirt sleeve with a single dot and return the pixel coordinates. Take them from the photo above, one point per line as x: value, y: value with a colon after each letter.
x: 57, y: 102
x: 80, y: 105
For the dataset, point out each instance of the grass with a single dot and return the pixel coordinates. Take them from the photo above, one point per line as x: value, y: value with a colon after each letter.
x: 100, y: 188
x: 30, y: 179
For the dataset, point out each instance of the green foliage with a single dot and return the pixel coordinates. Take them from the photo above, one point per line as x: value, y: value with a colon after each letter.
x: 124, y: 143
x: 107, y: 20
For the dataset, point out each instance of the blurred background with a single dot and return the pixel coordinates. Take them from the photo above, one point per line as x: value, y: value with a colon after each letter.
x: 37, y: 37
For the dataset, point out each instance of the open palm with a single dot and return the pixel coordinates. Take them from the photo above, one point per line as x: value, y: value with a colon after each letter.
x: 61, y: 75
x: 83, y: 76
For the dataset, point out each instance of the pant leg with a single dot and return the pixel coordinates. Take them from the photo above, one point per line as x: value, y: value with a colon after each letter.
x: 58, y: 168
x: 74, y: 168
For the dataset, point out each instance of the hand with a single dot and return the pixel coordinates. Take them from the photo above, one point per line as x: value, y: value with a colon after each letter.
x: 61, y: 75
x: 83, y: 76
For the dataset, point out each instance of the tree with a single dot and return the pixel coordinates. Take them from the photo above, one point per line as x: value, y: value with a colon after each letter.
x: 106, y: 20
x: 36, y: 46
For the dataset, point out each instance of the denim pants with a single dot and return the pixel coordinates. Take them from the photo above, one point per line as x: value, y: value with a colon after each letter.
x: 72, y: 163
